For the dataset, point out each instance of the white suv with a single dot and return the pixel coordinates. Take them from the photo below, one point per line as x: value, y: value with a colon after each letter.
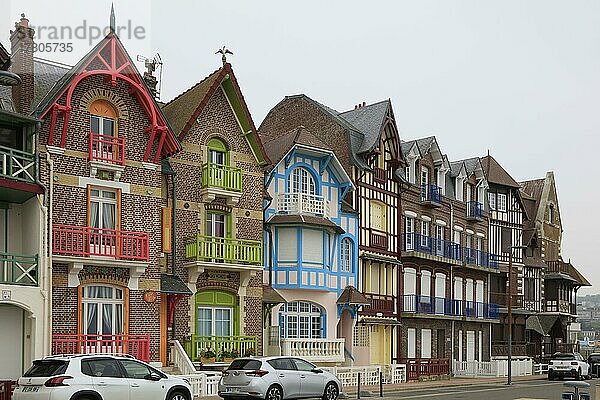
x: 98, y: 377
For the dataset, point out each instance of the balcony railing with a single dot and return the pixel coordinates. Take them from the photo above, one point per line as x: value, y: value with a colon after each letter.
x: 107, y: 149
x: 502, y: 299
x: 302, y: 203
x: 85, y: 241
x: 222, y: 176
x: 379, y: 175
x: 378, y: 239
x: 429, y: 245
x: 563, y: 306
x: 210, y: 349
x: 136, y: 345
x: 474, y: 210
x: 316, y: 350
x: 17, y: 164
x: 380, y: 304
x: 431, y: 305
x: 218, y: 249
x: 431, y: 194
x: 500, y: 349
x: 419, y: 367
x: 18, y: 269
x: 480, y: 258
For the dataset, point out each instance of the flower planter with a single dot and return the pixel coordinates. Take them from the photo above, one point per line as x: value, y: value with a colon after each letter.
x: 210, y: 360
x: 227, y: 359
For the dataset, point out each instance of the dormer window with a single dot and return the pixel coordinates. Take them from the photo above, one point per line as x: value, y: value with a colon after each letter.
x: 459, y: 189
x: 103, y: 118
x: 302, y: 181
x: 424, y: 176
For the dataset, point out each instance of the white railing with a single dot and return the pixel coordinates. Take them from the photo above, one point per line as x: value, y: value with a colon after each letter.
x: 540, y: 369
x: 181, y: 360
x: 203, y: 384
x: 494, y: 368
x: 394, y: 374
x: 302, y: 203
x: 369, y: 375
x: 317, y: 350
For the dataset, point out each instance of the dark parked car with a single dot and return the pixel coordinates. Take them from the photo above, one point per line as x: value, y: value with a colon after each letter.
x: 594, y: 361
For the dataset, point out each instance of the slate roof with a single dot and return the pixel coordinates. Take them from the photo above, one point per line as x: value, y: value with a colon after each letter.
x: 369, y: 119
x: 173, y: 284
x: 533, y: 188
x: 455, y: 167
x: 272, y: 296
x: 279, y: 146
x: 496, y: 174
x: 179, y: 110
x: 542, y: 324
x: 352, y: 296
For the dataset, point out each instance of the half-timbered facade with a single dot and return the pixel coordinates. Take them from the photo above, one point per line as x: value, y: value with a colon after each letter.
x: 446, y: 265
x: 366, y: 142
x: 549, y: 283
x: 506, y: 217
x: 312, y: 248
x: 218, y: 192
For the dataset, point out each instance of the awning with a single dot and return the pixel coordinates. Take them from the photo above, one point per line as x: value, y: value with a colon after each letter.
x: 172, y: 284
x: 380, y: 258
x: 272, y: 296
x: 542, y: 324
x: 379, y: 321
x: 351, y: 296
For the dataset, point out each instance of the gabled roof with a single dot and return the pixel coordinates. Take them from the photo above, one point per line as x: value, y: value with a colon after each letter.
x: 496, y: 174
x: 457, y: 168
x: 280, y: 146
x: 369, y: 119
x: 185, y: 108
x: 351, y: 296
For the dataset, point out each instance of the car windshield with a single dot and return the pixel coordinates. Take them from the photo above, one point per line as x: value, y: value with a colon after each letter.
x: 563, y: 356
x: 41, y: 368
x: 245, y: 364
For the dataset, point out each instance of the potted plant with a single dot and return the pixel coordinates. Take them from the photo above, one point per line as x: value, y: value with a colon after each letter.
x: 207, y: 356
x: 250, y: 352
x: 234, y: 353
x: 225, y: 356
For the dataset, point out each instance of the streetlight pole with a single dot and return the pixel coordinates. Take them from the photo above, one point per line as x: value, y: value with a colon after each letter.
x: 510, y: 257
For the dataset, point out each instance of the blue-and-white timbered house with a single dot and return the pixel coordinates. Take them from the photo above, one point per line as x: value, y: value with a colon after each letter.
x: 311, y: 251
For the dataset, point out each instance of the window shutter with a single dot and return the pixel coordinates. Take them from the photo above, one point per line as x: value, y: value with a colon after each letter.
x: 166, y: 229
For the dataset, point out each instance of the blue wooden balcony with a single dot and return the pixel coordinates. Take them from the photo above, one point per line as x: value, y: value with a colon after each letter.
x: 431, y: 195
x: 474, y: 211
x: 431, y: 305
x: 415, y: 242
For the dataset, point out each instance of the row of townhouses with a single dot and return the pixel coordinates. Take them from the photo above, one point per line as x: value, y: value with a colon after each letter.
x: 184, y: 235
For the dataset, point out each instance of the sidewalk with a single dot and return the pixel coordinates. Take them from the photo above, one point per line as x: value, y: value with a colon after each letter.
x: 350, y: 391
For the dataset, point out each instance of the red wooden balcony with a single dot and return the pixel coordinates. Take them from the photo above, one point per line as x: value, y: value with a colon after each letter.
x: 380, y: 304
x: 418, y: 367
x: 107, y: 149
x: 84, y: 241
x: 136, y: 345
x: 378, y: 239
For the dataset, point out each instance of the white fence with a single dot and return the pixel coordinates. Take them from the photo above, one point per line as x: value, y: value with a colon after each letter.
x: 203, y: 384
x: 181, y: 360
x: 369, y: 376
x: 495, y: 368
x: 316, y: 350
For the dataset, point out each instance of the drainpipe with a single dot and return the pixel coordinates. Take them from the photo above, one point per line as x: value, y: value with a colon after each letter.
x: 50, y: 163
x: 169, y: 171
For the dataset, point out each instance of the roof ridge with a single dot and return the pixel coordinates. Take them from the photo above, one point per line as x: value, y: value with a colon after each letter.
x: 366, y: 106
x: 193, y: 86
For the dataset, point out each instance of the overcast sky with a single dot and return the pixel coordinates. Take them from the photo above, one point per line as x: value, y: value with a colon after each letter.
x: 520, y: 78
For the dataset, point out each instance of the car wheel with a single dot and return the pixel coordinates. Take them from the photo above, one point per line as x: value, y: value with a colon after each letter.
x: 177, y: 396
x: 550, y: 377
x: 274, y: 393
x: 331, y: 392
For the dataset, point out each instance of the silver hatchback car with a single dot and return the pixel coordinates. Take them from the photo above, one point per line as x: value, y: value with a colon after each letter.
x: 277, y: 378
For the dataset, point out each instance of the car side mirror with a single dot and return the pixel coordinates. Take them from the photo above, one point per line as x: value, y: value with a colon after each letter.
x: 153, y: 377
x: 317, y: 371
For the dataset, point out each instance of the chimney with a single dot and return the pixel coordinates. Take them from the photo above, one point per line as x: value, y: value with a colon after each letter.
x: 151, y: 82
x: 21, y: 49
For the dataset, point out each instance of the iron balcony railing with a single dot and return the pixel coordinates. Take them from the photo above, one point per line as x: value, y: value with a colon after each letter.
x: 85, y: 241
x: 227, y: 250
x: 302, y: 203
x: 222, y: 176
x: 107, y: 149
x: 136, y: 345
x: 474, y: 210
x: 210, y: 349
x: 431, y: 194
x: 16, y: 164
x: 429, y: 245
x: 431, y: 305
x: 18, y: 269
x: 480, y: 258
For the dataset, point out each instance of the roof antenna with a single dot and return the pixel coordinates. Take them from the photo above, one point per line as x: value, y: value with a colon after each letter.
x: 224, y: 51
x: 113, y: 24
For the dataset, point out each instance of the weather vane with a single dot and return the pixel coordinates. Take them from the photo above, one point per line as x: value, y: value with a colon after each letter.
x: 224, y: 51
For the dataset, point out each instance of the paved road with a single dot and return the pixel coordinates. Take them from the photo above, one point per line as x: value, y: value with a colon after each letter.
x: 537, y: 389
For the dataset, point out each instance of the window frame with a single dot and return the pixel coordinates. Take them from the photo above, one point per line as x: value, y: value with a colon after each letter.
x: 213, y: 321
x: 302, y: 181
x: 346, y: 255
x: 299, y: 318
x: 502, y: 202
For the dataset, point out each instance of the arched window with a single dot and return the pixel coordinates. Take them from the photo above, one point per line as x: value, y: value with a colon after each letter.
x: 301, y: 319
x: 346, y: 255
x: 302, y: 181
x: 103, y: 118
x: 102, y: 310
x: 217, y: 152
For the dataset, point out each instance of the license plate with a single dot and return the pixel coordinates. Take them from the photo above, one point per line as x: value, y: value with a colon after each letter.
x: 30, y: 389
x: 234, y: 389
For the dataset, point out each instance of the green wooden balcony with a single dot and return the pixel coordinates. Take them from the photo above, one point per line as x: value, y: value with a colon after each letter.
x: 222, y: 177
x: 211, y: 349
x: 16, y: 164
x: 226, y: 250
x: 18, y: 269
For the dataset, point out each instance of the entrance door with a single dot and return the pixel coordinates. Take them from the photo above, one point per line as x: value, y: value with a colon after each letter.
x: 470, y: 345
x: 441, y: 343
x: 412, y: 343
x: 11, y: 347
